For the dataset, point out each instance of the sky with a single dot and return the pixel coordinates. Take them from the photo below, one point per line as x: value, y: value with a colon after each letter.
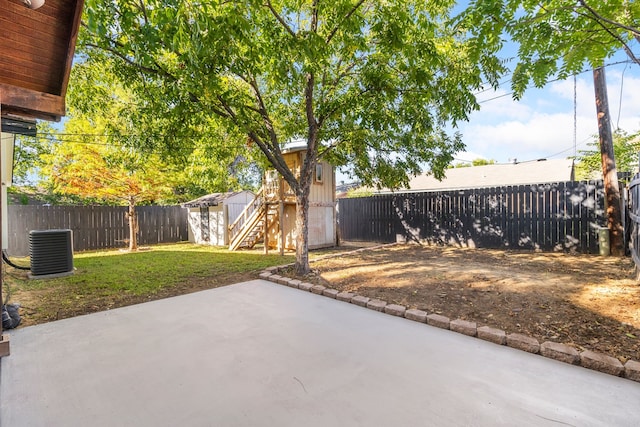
x: 541, y: 124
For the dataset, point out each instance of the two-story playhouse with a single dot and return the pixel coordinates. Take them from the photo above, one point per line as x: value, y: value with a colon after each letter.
x: 272, y: 215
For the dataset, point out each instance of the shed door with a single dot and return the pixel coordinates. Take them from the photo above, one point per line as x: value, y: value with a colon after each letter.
x: 204, y: 222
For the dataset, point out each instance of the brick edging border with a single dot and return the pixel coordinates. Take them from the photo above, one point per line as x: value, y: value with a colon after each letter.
x: 562, y: 352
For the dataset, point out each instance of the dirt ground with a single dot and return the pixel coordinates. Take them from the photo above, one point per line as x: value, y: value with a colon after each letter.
x: 586, y: 301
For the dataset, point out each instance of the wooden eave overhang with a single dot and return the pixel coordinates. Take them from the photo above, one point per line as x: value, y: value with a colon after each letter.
x: 36, y: 53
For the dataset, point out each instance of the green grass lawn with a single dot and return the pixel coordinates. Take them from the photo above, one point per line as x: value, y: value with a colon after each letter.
x: 110, y: 279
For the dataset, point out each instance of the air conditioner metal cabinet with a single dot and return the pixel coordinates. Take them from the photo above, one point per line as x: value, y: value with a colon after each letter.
x: 51, y: 252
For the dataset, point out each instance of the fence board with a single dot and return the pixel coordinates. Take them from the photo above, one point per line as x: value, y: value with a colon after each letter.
x: 96, y: 227
x: 634, y: 217
x: 558, y: 216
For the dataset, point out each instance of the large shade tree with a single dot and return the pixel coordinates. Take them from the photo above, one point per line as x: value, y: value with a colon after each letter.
x: 376, y: 85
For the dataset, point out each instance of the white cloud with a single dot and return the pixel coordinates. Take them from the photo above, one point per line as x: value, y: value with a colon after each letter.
x: 626, y: 109
x: 499, y: 105
x: 542, y: 123
x: 543, y: 135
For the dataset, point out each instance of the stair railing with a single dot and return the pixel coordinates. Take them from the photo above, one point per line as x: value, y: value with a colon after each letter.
x: 238, y: 224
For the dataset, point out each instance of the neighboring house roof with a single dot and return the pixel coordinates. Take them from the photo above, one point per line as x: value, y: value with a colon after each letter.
x: 213, y: 199
x: 535, y: 172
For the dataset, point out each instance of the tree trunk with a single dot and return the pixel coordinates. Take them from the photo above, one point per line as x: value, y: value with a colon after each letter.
x: 609, y: 171
x: 302, y: 227
x: 133, y: 225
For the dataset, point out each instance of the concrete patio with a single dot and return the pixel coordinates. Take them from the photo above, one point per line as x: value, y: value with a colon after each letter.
x: 260, y: 354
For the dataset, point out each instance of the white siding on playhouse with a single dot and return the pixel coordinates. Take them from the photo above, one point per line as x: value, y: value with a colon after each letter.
x: 322, y: 217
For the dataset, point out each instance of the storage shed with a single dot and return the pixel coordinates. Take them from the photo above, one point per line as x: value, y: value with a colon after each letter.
x: 209, y: 216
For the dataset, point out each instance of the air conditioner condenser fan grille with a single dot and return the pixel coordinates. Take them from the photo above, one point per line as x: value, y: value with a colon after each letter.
x: 51, y: 252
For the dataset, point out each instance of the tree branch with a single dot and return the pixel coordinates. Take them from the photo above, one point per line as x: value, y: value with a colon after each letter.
x: 314, y: 16
x: 337, y: 107
x: 280, y: 19
x: 634, y: 31
x: 311, y: 120
x: 262, y: 110
x: 143, y: 9
x: 158, y: 71
x: 329, y: 148
x: 347, y: 16
x: 625, y: 46
x: 308, y: 96
x: 124, y: 57
x: 272, y: 155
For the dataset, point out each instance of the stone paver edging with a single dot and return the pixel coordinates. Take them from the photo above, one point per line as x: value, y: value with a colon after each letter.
x: 558, y: 351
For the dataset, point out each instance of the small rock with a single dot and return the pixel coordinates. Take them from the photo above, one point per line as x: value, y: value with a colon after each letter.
x: 318, y: 289
x: 331, y: 293
x: 395, y: 310
x: 305, y: 286
x: 376, y: 304
x: 360, y: 300
x: 345, y: 296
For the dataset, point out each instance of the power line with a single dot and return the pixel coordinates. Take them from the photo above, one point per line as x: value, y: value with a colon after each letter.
x: 621, y: 92
x: 626, y: 62
x: 570, y: 148
x: 69, y: 138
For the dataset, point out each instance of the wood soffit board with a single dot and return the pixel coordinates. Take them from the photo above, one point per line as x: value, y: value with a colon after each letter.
x: 36, y: 52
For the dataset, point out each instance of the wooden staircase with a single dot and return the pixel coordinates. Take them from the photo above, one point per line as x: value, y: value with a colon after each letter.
x: 248, y: 228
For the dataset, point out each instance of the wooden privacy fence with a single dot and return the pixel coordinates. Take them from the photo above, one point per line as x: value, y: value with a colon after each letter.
x: 96, y: 227
x: 634, y: 219
x: 562, y: 216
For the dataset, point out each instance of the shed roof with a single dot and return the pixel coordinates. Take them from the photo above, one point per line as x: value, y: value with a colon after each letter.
x: 536, y: 172
x: 213, y: 199
x: 36, y: 52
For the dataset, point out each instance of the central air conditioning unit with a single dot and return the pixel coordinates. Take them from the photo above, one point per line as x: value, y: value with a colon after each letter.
x: 51, y: 253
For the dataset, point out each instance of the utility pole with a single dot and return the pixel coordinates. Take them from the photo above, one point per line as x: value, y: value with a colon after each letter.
x: 609, y: 171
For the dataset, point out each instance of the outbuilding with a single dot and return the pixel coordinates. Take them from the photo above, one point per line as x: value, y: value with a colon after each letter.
x: 209, y: 216
x: 274, y: 209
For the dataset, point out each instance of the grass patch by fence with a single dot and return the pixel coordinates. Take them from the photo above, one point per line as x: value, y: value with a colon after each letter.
x: 109, y: 279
